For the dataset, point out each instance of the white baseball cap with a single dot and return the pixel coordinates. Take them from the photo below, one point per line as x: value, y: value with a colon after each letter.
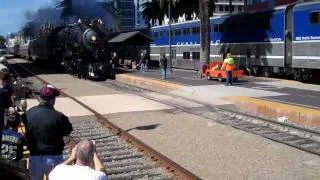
x: 4, y: 69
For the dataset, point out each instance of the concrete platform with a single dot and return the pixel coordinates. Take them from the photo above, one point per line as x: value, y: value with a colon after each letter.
x: 66, y: 105
x: 215, y: 151
x: 274, y: 98
x: 116, y: 103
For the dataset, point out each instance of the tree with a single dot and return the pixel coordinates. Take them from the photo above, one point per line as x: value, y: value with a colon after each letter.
x: 2, y: 40
x: 204, y: 33
x: 151, y: 12
x: 202, y: 8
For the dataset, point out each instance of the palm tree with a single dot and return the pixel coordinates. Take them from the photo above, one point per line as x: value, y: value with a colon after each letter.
x: 151, y: 12
x: 202, y: 8
x: 204, y: 33
x: 2, y: 40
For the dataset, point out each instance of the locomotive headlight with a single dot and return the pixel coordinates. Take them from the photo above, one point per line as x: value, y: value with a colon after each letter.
x: 93, y: 38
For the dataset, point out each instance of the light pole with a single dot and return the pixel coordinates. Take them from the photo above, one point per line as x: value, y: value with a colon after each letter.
x: 169, y: 33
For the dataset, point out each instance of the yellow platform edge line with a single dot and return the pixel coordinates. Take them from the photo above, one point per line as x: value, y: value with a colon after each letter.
x: 151, y: 80
x: 275, y: 105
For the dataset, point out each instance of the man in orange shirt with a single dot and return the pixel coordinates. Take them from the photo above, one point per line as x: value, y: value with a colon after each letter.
x: 228, y: 65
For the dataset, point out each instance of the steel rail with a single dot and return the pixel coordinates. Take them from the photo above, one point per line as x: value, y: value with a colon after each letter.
x: 155, y: 156
x: 312, y: 132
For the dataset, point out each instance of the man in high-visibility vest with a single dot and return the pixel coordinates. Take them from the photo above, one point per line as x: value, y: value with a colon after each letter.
x: 228, y: 65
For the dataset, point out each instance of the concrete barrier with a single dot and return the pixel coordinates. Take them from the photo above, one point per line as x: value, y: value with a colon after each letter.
x: 148, y: 83
x: 295, y: 114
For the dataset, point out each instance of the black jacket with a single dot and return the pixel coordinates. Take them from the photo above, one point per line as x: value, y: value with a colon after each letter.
x: 163, y: 62
x: 45, y: 130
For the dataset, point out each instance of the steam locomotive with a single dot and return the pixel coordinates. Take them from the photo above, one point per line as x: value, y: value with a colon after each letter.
x: 80, y: 49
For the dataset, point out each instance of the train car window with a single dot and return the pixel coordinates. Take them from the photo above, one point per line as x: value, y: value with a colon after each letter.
x: 196, y: 30
x: 221, y: 8
x: 261, y: 20
x: 171, y: 33
x: 231, y: 8
x: 314, y: 17
x: 156, y: 35
x: 186, y: 31
x: 223, y: 52
x: 248, y: 52
x: 226, y: 8
x: 186, y: 55
x: 160, y: 34
x: 177, y: 32
x: 218, y: 28
x: 258, y: 52
x: 195, y: 55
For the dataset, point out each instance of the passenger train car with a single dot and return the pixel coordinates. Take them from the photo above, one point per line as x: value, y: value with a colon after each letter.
x: 284, y: 40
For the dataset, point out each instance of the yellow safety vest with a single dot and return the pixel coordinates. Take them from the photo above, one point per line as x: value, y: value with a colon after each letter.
x: 229, y: 61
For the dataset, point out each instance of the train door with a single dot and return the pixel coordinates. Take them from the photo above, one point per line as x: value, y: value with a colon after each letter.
x: 288, y: 36
x: 173, y: 57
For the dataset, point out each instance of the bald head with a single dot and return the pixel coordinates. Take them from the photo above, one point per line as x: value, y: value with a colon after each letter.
x: 84, y: 152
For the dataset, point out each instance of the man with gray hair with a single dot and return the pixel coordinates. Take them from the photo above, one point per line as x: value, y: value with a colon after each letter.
x: 87, y: 164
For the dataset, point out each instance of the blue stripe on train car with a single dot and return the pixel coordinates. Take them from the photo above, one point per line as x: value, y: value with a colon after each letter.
x: 303, y: 28
x: 240, y: 32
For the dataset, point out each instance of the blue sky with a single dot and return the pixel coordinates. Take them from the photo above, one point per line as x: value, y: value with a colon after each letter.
x: 12, y: 13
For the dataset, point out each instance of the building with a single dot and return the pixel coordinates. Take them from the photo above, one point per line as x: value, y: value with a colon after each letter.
x: 258, y: 5
x: 140, y: 22
x: 126, y: 10
x: 223, y: 7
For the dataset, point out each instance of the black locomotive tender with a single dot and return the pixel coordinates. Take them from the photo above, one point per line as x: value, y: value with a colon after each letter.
x: 80, y: 48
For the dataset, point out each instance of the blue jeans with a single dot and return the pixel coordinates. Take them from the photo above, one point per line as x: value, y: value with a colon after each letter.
x: 163, y: 73
x: 142, y: 67
x: 229, y: 77
x: 42, y: 165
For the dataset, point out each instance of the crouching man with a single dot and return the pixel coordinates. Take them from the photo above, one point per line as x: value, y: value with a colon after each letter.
x: 87, y: 164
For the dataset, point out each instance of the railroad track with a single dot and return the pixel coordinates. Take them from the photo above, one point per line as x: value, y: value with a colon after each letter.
x: 123, y: 156
x: 299, y: 137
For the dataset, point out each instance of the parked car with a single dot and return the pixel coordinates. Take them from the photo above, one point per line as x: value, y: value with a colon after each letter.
x: 213, y: 71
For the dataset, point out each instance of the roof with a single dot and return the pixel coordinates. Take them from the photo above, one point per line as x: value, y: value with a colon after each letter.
x: 310, y: 6
x: 186, y: 22
x: 125, y: 36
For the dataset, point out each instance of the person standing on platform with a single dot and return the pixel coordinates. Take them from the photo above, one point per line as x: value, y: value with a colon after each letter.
x: 143, y: 62
x: 12, y: 141
x: 228, y: 66
x: 45, y: 129
x: 115, y: 61
x: 5, y: 94
x: 163, y: 66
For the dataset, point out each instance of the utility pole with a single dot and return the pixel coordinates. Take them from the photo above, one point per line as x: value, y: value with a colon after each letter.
x: 169, y: 33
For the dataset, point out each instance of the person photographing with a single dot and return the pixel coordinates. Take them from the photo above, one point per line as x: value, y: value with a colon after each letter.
x: 87, y: 164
